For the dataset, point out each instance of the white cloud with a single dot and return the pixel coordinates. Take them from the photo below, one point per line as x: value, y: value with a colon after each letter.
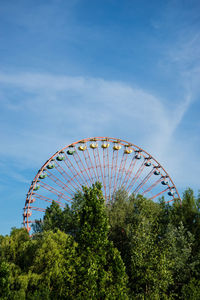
x: 57, y: 110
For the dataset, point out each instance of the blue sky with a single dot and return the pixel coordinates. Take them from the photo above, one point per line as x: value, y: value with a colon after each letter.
x: 80, y: 68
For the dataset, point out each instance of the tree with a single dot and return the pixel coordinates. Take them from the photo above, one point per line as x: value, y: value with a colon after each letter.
x: 178, y: 243
x: 44, y: 266
x: 102, y: 272
x: 55, y: 264
x: 4, y: 279
x: 131, y: 248
x: 15, y: 263
x: 136, y: 233
x: 191, y: 291
x: 56, y: 218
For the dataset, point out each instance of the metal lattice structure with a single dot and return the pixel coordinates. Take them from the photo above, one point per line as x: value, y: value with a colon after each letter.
x: 115, y: 163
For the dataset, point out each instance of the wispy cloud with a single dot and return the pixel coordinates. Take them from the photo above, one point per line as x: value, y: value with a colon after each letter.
x: 57, y: 110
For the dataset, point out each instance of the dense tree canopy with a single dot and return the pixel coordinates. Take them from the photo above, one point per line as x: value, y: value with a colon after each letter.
x: 132, y: 248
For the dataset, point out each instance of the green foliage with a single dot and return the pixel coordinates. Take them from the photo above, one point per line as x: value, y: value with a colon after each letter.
x: 131, y: 248
x: 158, y: 242
x: 55, y: 263
x: 78, y: 262
x: 56, y: 218
x: 102, y: 271
x: 191, y: 291
x: 92, y: 219
x: 4, y: 279
x: 135, y: 232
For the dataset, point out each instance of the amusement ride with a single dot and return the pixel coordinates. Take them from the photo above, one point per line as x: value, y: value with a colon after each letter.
x: 115, y: 163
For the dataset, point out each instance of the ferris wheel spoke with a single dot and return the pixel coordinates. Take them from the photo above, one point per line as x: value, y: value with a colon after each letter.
x: 55, y: 191
x: 47, y: 199
x: 123, y: 170
x: 96, y: 165
x: 60, y: 183
x: 120, y: 170
x: 77, y: 172
x: 108, y: 169
x: 146, y: 178
x: 72, y: 169
x: 152, y: 186
x: 157, y: 195
x: 81, y: 173
x: 69, y: 180
x: 92, y: 167
x: 104, y: 172
x: 115, y: 172
x: 129, y: 172
x: 101, y: 169
x: 111, y: 176
x: 37, y: 208
x: 85, y: 170
x: 135, y: 178
x: 88, y: 166
x: 170, y: 200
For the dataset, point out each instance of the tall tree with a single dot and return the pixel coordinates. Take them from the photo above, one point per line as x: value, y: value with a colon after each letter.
x: 55, y: 264
x: 102, y: 272
x: 136, y: 233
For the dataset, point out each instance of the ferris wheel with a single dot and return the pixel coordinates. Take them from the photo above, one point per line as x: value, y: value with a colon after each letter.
x: 117, y: 164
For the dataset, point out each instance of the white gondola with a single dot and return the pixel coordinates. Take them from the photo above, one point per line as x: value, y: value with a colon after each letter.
x: 138, y: 155
x: 171, y: 192
x: 156, y: 172
x: 165, y: 181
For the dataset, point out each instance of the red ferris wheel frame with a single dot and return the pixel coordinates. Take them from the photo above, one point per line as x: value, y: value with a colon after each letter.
x: 113, y: 168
